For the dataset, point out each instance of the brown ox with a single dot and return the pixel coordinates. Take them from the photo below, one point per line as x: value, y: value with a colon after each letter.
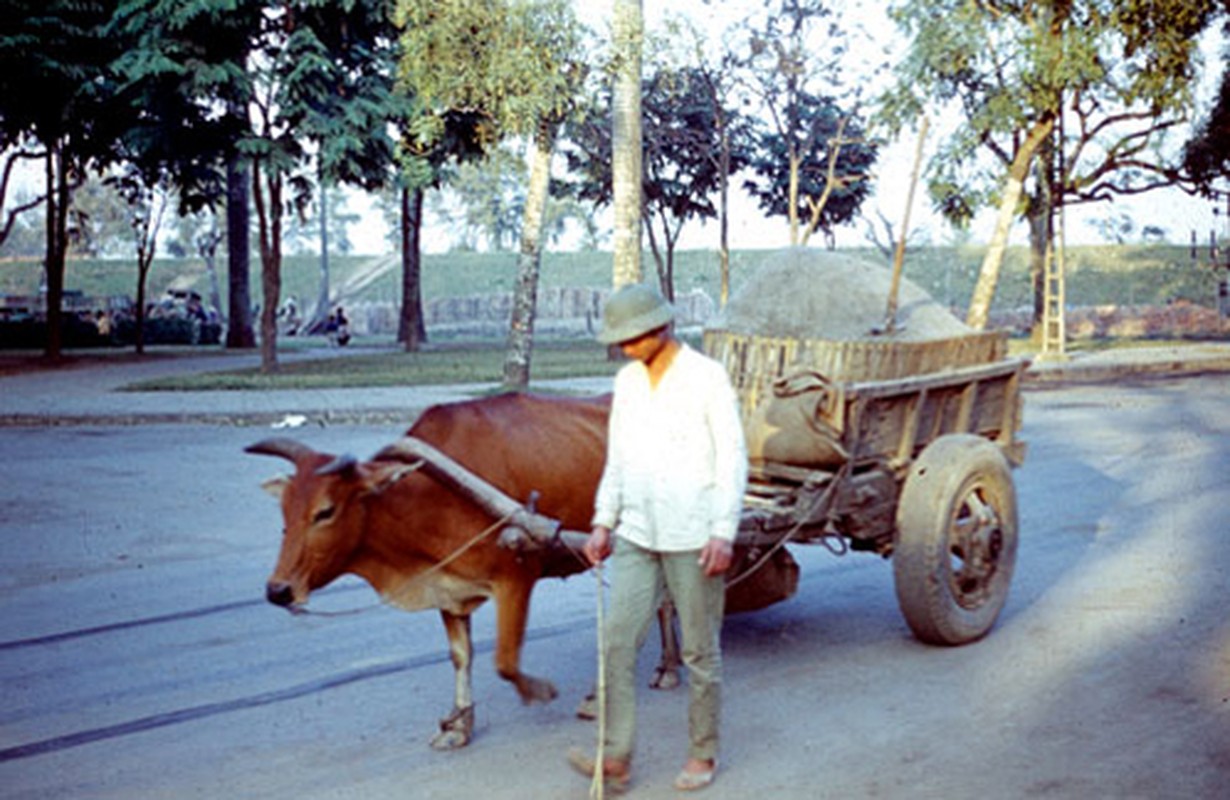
x: 410, y: 536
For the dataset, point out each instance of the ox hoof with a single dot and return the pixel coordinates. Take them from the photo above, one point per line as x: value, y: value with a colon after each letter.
x: 456, y: 730
x: 664, y: 678
x: 536, y: 690
x: 588, y: 707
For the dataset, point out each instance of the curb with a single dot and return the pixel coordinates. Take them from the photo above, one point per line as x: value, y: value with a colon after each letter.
x: 1059, y: 373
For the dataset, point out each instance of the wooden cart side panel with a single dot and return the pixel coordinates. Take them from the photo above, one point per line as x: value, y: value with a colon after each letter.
x: 755, y: 362
x: 895, y: 420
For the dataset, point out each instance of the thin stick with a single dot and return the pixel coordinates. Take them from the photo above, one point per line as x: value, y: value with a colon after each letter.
x: 596, y: 788
x: 890, y: 323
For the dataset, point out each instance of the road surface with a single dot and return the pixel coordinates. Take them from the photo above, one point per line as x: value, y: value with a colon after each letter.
x: 139, y: 660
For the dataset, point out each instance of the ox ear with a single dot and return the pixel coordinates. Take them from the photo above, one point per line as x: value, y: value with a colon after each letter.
x: 276, y: 486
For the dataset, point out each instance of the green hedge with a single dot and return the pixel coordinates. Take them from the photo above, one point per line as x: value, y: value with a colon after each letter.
x: 30, y: 334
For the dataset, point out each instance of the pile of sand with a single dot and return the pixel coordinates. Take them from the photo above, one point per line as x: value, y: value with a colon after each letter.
x: 818, y: 294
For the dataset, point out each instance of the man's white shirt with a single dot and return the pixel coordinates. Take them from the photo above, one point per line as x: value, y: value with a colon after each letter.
x: 676, y: 464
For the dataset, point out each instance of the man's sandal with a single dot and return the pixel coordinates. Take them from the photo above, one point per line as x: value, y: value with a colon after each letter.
x: 691, y: 781
x: 616, y: 782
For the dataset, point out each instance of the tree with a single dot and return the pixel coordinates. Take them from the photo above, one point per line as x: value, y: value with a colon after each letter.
x: 1099, y: 83
x: 186, y: 61
x: 517, y: 65
x: 484, y: 199
x: 56, y: 92
x: 815, y: 168
x: 322, y: 73
x: 1206, y: 156
x: 719, y: 77
x: 327, y: 219
x: 683, y: 157
x: 813, y: 154
x: 99, y: 220
x: 201, y: 233
x: 146, y: 205
x: 482, y: 202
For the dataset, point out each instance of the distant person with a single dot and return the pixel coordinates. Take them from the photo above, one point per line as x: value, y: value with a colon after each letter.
x: 338, y: 328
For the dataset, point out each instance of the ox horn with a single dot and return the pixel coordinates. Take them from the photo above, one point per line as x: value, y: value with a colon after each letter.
x: 289, y: 449
x: 342, y: 465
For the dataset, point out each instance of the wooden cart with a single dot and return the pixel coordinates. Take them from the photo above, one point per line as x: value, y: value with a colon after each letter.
x: 917, y: 468
x: 922, y: 438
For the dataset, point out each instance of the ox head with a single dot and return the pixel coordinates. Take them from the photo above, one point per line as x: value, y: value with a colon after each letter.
x: 324, y: 515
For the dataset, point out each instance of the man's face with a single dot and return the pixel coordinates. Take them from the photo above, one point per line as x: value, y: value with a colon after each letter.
x: 644, y: 347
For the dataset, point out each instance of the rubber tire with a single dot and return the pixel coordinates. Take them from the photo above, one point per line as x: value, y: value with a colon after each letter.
x: 946, y: 599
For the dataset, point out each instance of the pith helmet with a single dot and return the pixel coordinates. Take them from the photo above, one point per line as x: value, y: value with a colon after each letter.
x: 633, y: 311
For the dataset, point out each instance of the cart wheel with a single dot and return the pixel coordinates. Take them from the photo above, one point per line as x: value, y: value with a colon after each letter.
x: 956, y: 540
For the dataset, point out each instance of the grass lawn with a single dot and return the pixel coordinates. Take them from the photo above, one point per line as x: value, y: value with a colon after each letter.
x: 377, y: 362
x: 382, y: 364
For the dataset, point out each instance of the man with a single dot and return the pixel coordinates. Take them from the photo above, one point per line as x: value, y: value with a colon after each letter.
x: 667, y: 512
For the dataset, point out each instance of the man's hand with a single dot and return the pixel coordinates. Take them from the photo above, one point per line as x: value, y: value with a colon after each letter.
x: 715, y: 556
x: 598, y: 545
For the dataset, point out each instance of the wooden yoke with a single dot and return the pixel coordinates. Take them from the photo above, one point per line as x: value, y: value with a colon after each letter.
x: 526, y: 529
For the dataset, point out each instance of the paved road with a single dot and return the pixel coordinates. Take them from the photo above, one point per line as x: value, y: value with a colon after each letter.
x: 138, y: 659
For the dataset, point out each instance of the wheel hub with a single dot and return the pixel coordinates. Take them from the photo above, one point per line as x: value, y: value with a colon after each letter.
x: 977, y: 539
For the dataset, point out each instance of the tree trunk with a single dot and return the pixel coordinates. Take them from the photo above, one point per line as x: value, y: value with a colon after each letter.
x: 988, y: 277
x: 724, y: 219
x: 239, y: 333
x: 664, y: 253
x: 269, y: 219
x: 1040, y: 225
x: 1040, y: 217
x: 322, y: 295
x: 411, y: 327
x: 659, y: 260
x: 793, y: 198
x: 626, y: 167
x: 207, y: 248
x: 142, y: 280
x: 529, y: 260
x: 147, y: 249
x: 58, y: 201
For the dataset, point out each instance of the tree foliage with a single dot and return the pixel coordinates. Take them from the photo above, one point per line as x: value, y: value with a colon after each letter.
x: 322, y: 98
x: 813, y: 152
x: 823, y: 161
x: 484, y: 200
x: 514, y: 67
x: 682, y: 165
x: 1206, y: 156
x: 1113, y: 76
x: 56, y: 91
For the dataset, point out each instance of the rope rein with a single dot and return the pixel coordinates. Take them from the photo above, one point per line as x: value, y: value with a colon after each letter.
x: 823, y: 500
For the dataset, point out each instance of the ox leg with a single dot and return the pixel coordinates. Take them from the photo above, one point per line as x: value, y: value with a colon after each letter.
x: 512, y: 604
x: 666, y: 676
x: 457, y: 728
